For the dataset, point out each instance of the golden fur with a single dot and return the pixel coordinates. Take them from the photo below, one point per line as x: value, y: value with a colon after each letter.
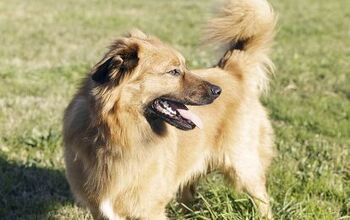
x: 123, y: 165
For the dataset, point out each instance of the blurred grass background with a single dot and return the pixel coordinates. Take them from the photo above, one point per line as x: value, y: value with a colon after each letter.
x: 47, y: 46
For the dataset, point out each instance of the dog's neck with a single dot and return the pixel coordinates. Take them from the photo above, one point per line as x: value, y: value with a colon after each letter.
x: 127, y: 129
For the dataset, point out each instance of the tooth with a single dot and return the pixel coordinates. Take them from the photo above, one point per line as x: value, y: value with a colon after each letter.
x: 170, y: 109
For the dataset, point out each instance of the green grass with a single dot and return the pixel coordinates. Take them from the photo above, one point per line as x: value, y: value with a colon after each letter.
x: 47, y: 46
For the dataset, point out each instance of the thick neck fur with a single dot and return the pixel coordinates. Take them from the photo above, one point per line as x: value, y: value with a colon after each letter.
x: 121, y: 128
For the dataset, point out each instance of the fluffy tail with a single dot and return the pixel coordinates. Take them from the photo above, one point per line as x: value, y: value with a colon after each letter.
x: 245, y: 29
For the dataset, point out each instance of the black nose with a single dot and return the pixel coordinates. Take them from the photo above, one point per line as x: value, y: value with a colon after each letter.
x: 215, y: 90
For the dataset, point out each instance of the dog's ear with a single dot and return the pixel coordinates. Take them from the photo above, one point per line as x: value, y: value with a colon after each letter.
x: 137, y: 34
x: 119, y: 61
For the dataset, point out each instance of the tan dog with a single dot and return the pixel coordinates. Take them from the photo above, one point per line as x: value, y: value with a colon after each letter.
x: 130, y: 141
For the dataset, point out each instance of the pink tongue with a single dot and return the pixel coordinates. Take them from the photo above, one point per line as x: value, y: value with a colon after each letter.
x: 191, y: 116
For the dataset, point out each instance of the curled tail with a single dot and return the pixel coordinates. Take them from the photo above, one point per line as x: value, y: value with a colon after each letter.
x: 245, y: 29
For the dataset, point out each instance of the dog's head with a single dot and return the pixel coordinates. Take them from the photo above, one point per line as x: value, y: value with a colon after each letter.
x: 142, y: 74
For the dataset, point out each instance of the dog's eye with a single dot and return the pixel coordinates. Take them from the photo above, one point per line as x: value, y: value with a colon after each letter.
x: 175, y: 72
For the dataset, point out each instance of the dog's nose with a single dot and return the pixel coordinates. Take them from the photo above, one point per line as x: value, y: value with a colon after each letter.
x: 215, y: 91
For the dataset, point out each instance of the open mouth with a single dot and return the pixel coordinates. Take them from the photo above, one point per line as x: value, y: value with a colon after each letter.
x: 175, y: 113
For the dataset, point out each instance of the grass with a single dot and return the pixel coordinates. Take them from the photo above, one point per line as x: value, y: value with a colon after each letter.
x: 47, y: 46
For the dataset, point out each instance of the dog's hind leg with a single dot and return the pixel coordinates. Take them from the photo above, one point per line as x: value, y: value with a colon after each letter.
x: 246, y: 173
x: 161, y: 216
x: 186, y: 194
x: 156, y: 213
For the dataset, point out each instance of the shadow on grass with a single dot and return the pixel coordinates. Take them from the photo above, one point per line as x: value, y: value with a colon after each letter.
x: 30, y: 192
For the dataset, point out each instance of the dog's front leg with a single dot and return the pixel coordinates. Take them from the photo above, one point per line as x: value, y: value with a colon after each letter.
x: 107, y: 211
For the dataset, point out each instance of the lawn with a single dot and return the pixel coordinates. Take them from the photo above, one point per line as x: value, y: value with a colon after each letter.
x: 47, y: 46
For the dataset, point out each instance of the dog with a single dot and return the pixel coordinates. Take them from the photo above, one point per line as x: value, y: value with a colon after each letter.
x: 142, y: 125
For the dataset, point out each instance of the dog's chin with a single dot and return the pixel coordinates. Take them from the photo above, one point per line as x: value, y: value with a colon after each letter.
x: 167, y: 110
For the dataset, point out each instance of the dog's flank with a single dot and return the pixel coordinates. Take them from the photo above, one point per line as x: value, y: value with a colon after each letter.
x: 131, y: 132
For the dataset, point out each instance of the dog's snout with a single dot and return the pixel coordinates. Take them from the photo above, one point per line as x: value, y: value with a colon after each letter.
x: 215, y: 91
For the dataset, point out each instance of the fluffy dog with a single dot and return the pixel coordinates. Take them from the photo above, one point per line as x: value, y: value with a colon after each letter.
x: 131, y: 133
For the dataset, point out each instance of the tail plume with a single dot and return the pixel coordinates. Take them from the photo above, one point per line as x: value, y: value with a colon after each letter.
x: 244, y: 26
